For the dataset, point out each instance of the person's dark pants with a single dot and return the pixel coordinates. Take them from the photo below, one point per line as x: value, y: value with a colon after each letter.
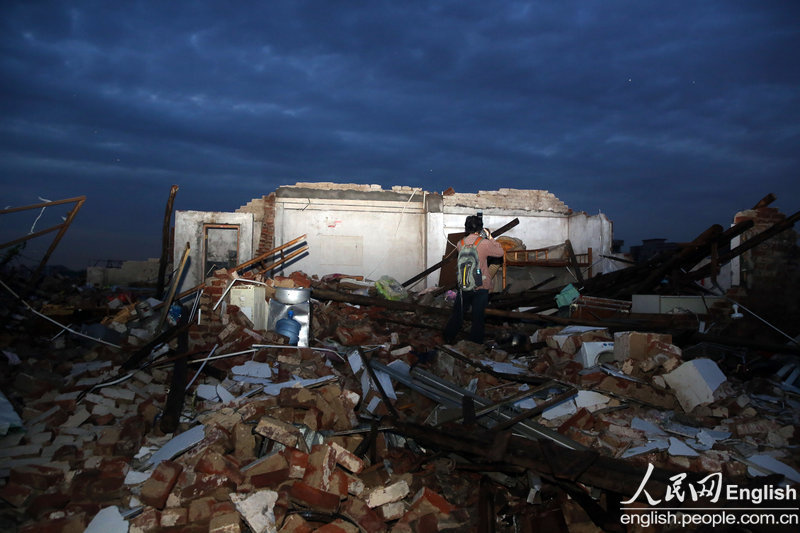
x: 477, y: 301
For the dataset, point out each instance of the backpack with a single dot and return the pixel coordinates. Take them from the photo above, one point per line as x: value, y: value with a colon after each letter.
x: 469, y: 269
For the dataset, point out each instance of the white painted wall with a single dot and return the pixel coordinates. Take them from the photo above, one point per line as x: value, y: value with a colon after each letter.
x: 189, y: 228
x: 357, y: 237
x: 535, y: 230
x: 595, y: 232
x: 376, y: 233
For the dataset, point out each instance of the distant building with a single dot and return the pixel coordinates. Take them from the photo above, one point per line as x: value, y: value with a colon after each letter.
x: 650, y: 248
x: 123, y: 273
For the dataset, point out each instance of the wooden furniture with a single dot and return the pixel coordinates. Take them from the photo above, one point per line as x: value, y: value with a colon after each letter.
x: 542, y: 257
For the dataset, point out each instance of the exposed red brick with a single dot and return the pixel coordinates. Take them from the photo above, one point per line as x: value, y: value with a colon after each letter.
x: 214, y: 486
x: 348, y: 460
x: 295, y: 523
x: 314, y: 498
x: 148, y: 520
x: 174, y: 516
x: 215, y: 463
x: 339, y: 483
x: 225, y: 523
x: 89, y: 509
x: 435, y: 499
x: 133, y: 430
x: 218, y: 434
x: 358, y: 511
x: 270, y: 479
x: 281, y: 506
x: 321, y: 464
x: 15, y: 494
x: 96, y: 485
x: 114, y: 467
x: 331, y: 528
x: 68, y: 524
x: 256, y: 409
x: 155, y: 490
x: 36, y: 476
x: 201, y: 509
x: 428, y: 523
x: 223, y: 507
x: 583, y: 419
x: 297, y: 397
x: 298, y: 461
x: 47, y: 502
x: 103, y: 420
x: 107, y: 441
x: 244, y: 443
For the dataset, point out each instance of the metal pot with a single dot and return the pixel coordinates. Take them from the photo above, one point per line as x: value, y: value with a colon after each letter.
x: 292, y: 296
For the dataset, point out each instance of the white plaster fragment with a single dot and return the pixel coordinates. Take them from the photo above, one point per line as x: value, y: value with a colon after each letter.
x: 81, y: 415
x: 178, y: 444
x: 135, y: 478
x: 767, y: 464
x: 207, y: 392
x: 678, y: 447
x: 391, y: 493
x: 108, y: 520
x: 257, y: 509
x: 694, y: 382
x: 224, y: 395
x: 253, y: 369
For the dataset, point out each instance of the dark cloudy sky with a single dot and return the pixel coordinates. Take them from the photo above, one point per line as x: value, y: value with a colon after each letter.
x: 668, y: 116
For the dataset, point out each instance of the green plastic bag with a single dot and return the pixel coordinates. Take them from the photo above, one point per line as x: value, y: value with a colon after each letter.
x: 391, y: 289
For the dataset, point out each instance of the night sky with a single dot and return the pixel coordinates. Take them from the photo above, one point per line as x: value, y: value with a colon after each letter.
x: 667, y: 116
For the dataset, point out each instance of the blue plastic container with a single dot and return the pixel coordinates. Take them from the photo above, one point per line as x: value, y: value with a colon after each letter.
x: 289, y: 327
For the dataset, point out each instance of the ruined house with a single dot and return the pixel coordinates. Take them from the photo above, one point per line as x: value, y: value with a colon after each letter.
x: 369, y: 231
x: 597, y: 419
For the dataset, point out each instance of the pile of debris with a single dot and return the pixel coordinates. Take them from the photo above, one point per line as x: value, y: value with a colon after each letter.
x: 192, y: 418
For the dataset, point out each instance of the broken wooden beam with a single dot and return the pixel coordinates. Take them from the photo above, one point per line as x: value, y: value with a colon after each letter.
x: 162, y: 264
x: 574, y: 261
x: 677, y: 260
x: 767, y: 234
x: 547, y: 459
x: 357, y: 299
x: 173, y: 287
x: 251, y: 262
x: 62, y: 229
x: 177, y: 390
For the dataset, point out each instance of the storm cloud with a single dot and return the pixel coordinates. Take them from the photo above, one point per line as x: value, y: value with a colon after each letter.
x: 666, y: 116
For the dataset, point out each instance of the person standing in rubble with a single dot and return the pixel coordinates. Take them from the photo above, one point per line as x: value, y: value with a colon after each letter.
x: 476, y: 299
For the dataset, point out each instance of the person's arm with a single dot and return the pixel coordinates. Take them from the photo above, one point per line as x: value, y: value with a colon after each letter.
x: 493, y: 248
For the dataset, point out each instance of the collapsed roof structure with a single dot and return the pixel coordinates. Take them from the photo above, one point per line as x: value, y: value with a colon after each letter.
x: 603, y: 395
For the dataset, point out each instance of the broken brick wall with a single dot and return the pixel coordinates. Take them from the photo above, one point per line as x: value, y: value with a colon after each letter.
x: 263, y: 210
x: 769, y: 274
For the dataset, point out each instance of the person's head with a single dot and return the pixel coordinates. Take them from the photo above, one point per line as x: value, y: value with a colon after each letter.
x: 473, y: 224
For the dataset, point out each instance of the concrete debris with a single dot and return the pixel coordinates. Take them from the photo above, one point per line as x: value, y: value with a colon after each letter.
x: 257, y: 509
x: 215, y: 423
x: 694, y: 382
